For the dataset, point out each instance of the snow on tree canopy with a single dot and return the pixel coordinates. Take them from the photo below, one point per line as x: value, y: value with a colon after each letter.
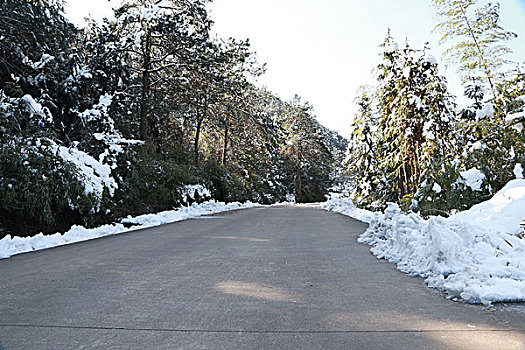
x: 94, y: 175
x: 472, y: 178
x: 98, y: 110
x: 429, y: 58
x: 486, y: 112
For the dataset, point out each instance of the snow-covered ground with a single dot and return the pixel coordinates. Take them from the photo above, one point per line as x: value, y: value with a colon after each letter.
x: 15, y: 245
x: 476, y: 255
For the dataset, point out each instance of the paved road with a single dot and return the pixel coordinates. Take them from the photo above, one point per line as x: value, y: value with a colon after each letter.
x: 264, y: 278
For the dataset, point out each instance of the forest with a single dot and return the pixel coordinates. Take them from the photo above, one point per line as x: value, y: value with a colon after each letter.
x: 118, y: 118
x: 414, y: 145
x: 123, y: 117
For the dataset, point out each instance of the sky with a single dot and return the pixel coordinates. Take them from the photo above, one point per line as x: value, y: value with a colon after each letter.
x: 325, y: 50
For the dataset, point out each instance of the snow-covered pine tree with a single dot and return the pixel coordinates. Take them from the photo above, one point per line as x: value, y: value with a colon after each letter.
x: 415, y: 118
x: 362, y: 164
x: 158, y: 40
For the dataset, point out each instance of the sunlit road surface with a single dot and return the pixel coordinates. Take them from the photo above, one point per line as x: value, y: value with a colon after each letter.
x: 264, y: 278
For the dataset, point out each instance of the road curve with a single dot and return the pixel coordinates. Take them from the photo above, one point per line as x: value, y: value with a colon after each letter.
x: 289, y: 277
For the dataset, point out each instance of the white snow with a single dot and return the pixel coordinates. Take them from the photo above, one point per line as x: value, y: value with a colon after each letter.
x: 415, y: 100
x: 472, y: 178
x: 94, y: 174
x: 98, y: 110
x: 427, y: 128
x: 10, y: 246
x: 486, y: 112
x: 427, y: 57
x: 391, y: 46
x: 33, y: 106
x: 406, y: 72
x: 476, y: 255
x: 513, y: 116
x: 477, y: 146
x: 503, y: 212
x: 436, y: 188
x: 188, y: 192
x: 518, y: 171
x: 45, y: 58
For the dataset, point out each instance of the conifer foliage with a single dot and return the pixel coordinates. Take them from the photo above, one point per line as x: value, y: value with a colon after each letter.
x: 411, y: 144
x: 394, y: 145
x: 115, y: 119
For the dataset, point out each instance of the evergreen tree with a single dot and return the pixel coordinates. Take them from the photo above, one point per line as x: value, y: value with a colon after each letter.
x: 310, y: 157
x: 158, y: 41
x: 362, y: 153
x: 414, y: 122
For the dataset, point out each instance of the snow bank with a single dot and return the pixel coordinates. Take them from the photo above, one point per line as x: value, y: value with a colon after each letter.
x: 189, y: 192
x: 195, y: 210
x: 15, y: 245
x: 475, y: 255
x: 346, y: 207
x: 504, y: 212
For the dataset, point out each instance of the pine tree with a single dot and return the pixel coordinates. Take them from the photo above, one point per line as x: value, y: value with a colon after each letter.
x: 415, y: 117
x: 362, y: 153
x: 158, y: 40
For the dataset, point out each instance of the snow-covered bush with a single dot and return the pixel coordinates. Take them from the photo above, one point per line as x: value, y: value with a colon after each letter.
x: 149, y: 181
x: 39, y: 189
x: 44, y: 185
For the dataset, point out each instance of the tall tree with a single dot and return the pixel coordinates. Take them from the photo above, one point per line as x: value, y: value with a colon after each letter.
x: 158, y: 40
x: 477, y: 38
x: 362, y: 152
x: 310, y: 157
x: 415, y: 116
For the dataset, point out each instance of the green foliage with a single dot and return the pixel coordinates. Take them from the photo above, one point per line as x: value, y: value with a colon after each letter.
x: 311, y: 159
x: 477, y: 38
x: 409, y: 147
x: 149, y: 179
x: 493, y: 144
x: 141, y: 106
x: 39, y: 191
x: 393, y: 143
x: 443, y: 193
x: 363, y: 162
x: 223, y: 185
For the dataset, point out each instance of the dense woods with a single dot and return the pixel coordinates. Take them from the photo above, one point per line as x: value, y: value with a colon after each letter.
x: 412, y: 144
x: 116, y: 118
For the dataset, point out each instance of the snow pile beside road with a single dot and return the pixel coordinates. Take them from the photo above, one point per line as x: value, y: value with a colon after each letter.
x: 15, y: 245
x: 346, y: 207
x: 503, y: 212
x: 184, y: 213
x: 475, y: 255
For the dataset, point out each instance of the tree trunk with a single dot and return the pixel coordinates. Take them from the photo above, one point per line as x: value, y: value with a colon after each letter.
x: 483, y: 60
x: 144, y: 98
x: 225, y: 145
x: 299, y: 189
x: 197, y: 137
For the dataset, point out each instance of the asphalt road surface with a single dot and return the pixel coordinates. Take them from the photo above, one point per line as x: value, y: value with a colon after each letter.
x: 263, y: 278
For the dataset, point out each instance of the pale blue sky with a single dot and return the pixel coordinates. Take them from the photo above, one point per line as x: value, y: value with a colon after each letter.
x: 325, y: 50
